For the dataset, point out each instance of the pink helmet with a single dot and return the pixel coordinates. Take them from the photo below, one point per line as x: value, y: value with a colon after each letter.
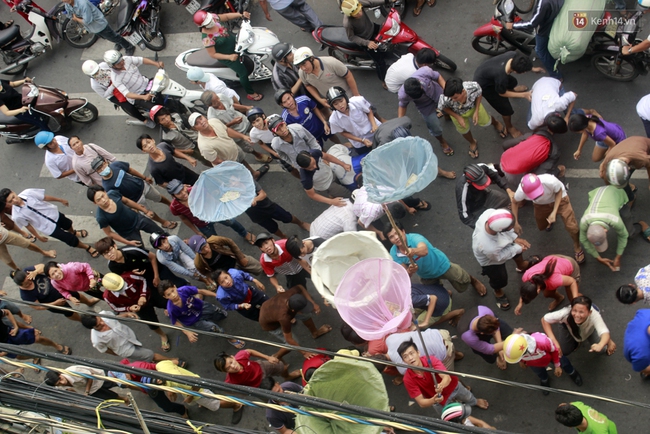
x: 500, y: 220
x: 153, y: 111
x: 203, y: 18
x: 532, y: 186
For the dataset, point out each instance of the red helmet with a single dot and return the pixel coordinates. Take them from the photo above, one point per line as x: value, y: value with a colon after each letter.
x: 153, y: 111
x: 202, y: 18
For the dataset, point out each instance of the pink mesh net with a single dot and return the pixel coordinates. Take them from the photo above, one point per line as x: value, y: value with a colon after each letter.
x: 374, y: 298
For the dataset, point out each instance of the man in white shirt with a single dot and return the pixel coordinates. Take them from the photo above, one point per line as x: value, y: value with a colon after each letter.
x: 58, y: 155
x: 547, y: 97
x: 643, y: 110
x: 83, y: 385
x: 126, y: 77
x: 114, y: 337
x: 406, y: 66
x: 208, y: 81
x: 334, y: 220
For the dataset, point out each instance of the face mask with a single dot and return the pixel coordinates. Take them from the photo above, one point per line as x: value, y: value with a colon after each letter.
x: 105, y: 172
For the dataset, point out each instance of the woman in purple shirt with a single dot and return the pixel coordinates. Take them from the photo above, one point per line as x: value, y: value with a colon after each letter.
x: 591, y: 124
x: 478, y: 326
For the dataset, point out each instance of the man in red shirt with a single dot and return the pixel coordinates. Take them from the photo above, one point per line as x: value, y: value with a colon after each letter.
x: 246, y: 372
x: 427, y: 393
x: 276, y: 259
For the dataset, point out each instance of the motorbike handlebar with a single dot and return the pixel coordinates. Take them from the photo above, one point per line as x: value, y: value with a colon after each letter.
x: 24, y: 5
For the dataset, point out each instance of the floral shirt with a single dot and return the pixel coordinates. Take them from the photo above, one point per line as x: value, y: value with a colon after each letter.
x: 473, y: 92
x: 216, y: 31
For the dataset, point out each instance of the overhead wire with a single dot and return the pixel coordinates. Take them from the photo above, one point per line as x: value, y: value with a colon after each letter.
x: 459, y: 374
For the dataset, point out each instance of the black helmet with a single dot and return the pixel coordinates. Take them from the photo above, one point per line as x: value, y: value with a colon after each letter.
x: 274, y: 120
x: 400, y: 131
x: 476, y: 176
x: 156, y: 238
x: 253, y: 112
x: 334, y: 93
x: 280, y: 51
x: 279, y: 94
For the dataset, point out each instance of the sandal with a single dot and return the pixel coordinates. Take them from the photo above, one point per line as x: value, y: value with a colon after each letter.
x: 31, y: 238
x: 250, y: 238
x: 580, y: 256
x: 171, y: 225
x: 473, y: 153
x: 237, y: 343
x: 549, y: 228
x: 92, y: 252
x: 81, y: 233
x: 165, y: 346
x: 503, y: 132
x: 262, y: 171
x: 503, y: 303
x: 431, y: 3
x: 448, y: 151
x: 417, y: 11
x: 66, y: 351
x: 439, y: 114
x: 423, y: 206
x: 255, y: 97
x: 182, y: 363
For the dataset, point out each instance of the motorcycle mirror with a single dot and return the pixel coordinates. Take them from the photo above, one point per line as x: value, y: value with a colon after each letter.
x: 377, y: 13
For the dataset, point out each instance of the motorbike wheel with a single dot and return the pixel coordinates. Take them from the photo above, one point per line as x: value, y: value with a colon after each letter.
x: 524, y: 6
x: 337, y: 55
x: 614, y: 66
x: 76, y: 34
x: 490, y: 45
x: 86, y: 114
x: 445, y: 63
x: 8, y: 59
x: 155, y: 41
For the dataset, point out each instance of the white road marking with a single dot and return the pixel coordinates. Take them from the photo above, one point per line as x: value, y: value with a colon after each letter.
x: 137, y: 162
x: 595, y: 173
x: 176, y: 44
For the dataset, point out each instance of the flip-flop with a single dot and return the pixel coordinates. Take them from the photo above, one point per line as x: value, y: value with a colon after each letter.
x: 94, y: 253
x: 326, y: 327
x: 237, y: 343
x: 262, y: 171
x: 580, y: 256
x: 255, y: 97
x: 503, y: 132
x: 426, y: 207
x: 66, y: 351
x: 431, y: 3
x: 503, y: 303
x: 81, y: 233
x: 165, y: 346
x: 251, y: 239
x: 473, y: 153
x: 171, y: 225
x: 417, y: 11
x: 448, y: 151
x: 182, y: 363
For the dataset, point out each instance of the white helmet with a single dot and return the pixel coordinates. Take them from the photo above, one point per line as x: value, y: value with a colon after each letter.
x: 500, y: 220
x: 644, y: 3
x: 618, y: 173
x: 90, y: 67
x: 302, y: 54
x: 112, y: 57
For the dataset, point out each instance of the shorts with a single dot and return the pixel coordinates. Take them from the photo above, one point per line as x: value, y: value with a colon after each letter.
x: 433, y: 319
x: 23, y: 337
x: 13, y: 239
x: 484, y: 119
x: 271, y: 369
x: 266, y: 217
x: 297, y: 279
x: 150, y: 193
x: 148, y: 313
x: 65, y: 313
x: 141, y: 354
x: 456, y: 275
x: 565, y: 212
x: 63, y: 225
x: 498, y: 275
x: 576, y: 268
x: 499, y: 103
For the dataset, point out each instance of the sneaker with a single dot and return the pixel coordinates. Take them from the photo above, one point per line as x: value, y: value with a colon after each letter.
x: 129, y: 51
x: 150, y: 124
x: 576, y: 377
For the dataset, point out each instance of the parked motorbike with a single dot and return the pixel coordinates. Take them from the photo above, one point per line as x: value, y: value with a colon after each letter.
x: 75, y: 33
x: 254, y: 46
x: 174, y: 95
x: 51, y: 104
x: 609, y: 61
x: 218, y: 7
x: 16, y: 50
x: 394, y: 36
x: 139, y: 22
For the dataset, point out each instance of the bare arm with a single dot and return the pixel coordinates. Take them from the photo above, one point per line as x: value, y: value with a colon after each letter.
x: 352, y: 83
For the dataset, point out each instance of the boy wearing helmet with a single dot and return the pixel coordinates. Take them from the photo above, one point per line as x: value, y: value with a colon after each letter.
x: 353, y: 118
x: 476, y: 191
x: 549, y: 198
x: 535, y: 351
x: 318, y: 74
x: 635, y: 153
x: 100, y: 82
x: 297, y: 12
x: 285, y: 74
x: 460, y: 413
x: 129, y: 292
x: 362, y: 31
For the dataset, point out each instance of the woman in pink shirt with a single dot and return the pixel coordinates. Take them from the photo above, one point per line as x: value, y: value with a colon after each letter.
x: 75, y: 278
x: 546, y: 276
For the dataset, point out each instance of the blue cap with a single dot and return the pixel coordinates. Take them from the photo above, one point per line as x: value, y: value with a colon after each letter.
x: 174, y: 186
x: 196, y: 74
x: 196, y: 242
x: 43, y: 138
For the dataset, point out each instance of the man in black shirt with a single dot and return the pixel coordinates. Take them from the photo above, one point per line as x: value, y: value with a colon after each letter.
x: 11, y: 103
x: 162, y: 165
x: 137, y: 260
x: 480, y: 188
x: 267, y: 213
x: 38, y: 289
x: 221, y: 253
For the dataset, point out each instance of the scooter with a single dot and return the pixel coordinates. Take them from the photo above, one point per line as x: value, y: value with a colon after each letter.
x: 76, y: 34
x: 139, y: 23
x: 51, y: 104
x: 16, y: 51
x: 218, y: 7
x: 394, y: 36
x: 170, y: 93
x: 253, y: 45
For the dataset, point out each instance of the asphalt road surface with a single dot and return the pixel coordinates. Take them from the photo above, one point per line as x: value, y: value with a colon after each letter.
x: 449, y: 28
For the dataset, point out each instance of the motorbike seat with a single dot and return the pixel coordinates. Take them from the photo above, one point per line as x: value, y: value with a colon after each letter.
x: 9, y: 34
x: 10, y: 120
x: 202, y: 59
x: 125, y: 13
x: 339, y: 36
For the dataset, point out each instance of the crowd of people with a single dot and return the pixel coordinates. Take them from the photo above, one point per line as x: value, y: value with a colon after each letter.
x: 321, y: 132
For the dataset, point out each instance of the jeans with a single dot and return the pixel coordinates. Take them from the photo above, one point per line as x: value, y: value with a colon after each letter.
x: 433, y: 124
x: 209, y: 317
x: 541, y: 47
x: 302, y: 15
x: 233, y: 224
x: 542, y: 373
x: 460, y: 394
x: 646, y: 125
x: 34, y: 119
x: 110, y: 35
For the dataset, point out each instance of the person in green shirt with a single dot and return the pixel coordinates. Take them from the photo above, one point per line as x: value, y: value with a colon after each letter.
x: 601, y: 215
x: 584, y: 419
